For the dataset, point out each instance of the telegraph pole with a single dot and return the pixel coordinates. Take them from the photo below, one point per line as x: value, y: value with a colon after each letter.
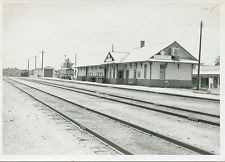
x: 75, y: 60
x: 112, y: 48
x: 28, y: 66
x: 199, y: 56
x: 42, y: 59
x: 75, y: 64
x: 35, y: 63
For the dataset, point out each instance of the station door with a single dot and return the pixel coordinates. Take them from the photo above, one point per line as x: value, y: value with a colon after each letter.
x: 162, y: 71
x: 120, y: 76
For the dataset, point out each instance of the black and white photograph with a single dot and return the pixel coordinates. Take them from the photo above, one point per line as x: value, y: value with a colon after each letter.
x: 112, y: 80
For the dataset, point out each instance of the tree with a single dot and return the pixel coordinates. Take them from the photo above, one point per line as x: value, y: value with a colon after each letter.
x: 217, y: 61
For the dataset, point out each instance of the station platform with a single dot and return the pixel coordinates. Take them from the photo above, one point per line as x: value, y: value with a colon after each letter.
x: 170, y: 91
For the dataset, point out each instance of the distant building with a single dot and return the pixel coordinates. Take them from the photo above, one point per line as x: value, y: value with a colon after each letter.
x: 24, y: 73
x: 49, y: 71
x: 37, y: 72
x: 46, y: 72
x: 12, y: 72
x: 159, y: 65
x: 209, y: 76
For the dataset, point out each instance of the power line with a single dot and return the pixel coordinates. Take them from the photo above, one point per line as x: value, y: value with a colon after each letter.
x: 203, y: 18
x: 211, y: 9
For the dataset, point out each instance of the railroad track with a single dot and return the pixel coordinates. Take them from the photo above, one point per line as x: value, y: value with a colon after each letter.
x: 192, y: 115
x: 137, y: 140
x: 140, y: 90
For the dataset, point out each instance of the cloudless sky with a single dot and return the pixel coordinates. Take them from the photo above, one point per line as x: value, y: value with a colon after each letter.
x: 88, y: 29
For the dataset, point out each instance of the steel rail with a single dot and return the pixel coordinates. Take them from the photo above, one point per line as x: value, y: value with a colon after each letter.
x: 141, y: 90
x: 137, y: 105
x: 134, y: 99
x: 144, y: 130
x: 101, y: 138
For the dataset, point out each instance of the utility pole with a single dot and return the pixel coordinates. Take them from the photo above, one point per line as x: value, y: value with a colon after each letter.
x: 112, y: 48
x: 35, y: 63
x: 75, y: 64
x: 75, y: 60
x: 28, y: 67
x: 199, y: 56
x: 42, y: 59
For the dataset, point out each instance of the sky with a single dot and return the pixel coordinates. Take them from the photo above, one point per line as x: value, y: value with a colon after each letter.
x: 89, y: 28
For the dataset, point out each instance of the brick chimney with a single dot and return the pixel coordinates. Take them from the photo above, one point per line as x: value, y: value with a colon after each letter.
x: 142, y: 43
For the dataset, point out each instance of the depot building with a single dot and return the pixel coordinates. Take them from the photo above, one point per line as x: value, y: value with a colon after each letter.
x: 157, y: 65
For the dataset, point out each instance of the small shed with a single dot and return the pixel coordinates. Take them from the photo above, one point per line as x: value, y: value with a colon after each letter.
x: 209, y: 76
x: 37, y: 72
x: 48, y: 71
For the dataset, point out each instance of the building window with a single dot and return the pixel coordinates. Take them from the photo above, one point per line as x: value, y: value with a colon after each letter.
x: 175, y: 51
x: 145, y: 71
x: 141, y: 64
x: 139, y: 74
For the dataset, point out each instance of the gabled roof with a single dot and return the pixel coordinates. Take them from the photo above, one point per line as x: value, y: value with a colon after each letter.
x: 145, y: 53
x: 48, y: 67
x: 116, y: 57
x: 187, y: 51
x: 109, y: 58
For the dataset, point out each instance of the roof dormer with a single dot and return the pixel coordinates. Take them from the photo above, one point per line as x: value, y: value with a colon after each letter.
x: 109, y: 58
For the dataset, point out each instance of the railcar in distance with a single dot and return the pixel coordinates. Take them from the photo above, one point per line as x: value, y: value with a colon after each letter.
x: 66, y: 73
